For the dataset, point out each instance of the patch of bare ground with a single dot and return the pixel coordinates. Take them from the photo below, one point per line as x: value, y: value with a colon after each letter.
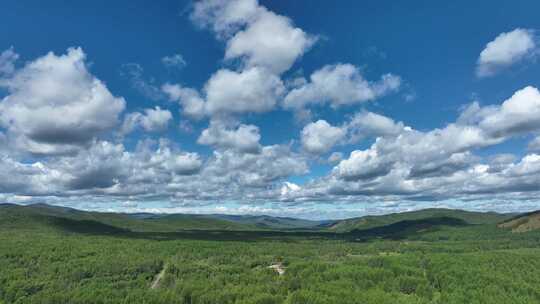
x: 278, y: 267
x: 159, y: 276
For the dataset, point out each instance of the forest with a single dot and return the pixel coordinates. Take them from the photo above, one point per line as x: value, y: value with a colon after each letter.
x: 54, y: 255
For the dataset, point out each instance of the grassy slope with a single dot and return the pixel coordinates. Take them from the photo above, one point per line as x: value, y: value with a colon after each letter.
x: 523, y: 223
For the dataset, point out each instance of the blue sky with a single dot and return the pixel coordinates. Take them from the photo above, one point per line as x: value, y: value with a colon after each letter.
x: 310, y: 109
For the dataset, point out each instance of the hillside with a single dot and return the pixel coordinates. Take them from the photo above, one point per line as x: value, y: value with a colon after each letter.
x: 161, y: 222
x: 62, y: 255
x: 41, y: 216
x: 523, y: 223
x: 372, y: 221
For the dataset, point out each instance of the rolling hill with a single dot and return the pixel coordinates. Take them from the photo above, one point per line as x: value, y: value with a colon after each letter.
x: 39, y: 216
x: 368, y: 222
x: 42, y: 216
x: 523, y: 223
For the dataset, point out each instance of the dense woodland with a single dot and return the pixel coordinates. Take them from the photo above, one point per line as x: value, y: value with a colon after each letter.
x: 60, y: 257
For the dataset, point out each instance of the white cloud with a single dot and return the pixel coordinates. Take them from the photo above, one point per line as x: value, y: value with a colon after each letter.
x: 152, y: 120
x: 7, y: 61
x: 155, y: 119
x: 273, y: 164
x: 438, y: 164
x: 420, y: 153
x: 269, y: 41
x: 224, y: 17
x: 108, y: 169
x: 227, y: 92
x: 507, y: 49
x: 362, y: 165
x: 176, y: 162
x: 319, y: 137
x: 174, y: 61
x: 244, y: 138
x: 54, y: 104
x: 193, y: 104
x: 30, y: 179
x: 369, y: 124
x: 288, y: 188
x: 407, y: 164
x: 256, y: 35
x: 340, y: 85
x: 518, y: 114
x: 253, y: 90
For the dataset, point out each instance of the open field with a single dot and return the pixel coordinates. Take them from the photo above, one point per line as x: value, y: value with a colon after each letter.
x: 55, y: 259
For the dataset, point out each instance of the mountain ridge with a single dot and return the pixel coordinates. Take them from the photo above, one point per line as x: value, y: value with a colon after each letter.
x: 181, y: 221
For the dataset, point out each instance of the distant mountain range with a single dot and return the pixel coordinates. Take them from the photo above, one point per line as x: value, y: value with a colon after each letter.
x: 39, y: 214
x: 164, y: 222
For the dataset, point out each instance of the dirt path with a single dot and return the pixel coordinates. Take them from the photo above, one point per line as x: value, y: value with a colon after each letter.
x: 278, y: 268
x: 158, y: 278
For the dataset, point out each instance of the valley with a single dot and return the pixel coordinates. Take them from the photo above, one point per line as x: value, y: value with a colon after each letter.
x: 59, y: 255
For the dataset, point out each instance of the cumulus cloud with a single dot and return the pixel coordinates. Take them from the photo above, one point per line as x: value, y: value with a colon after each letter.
x: 517, y: 115
x: 101, y: 166
x: 244, y: 138
x: 271, y: 41
x: 319, y: 137
x: 288, y: 188
x: 339, y: 85
x: 499, y: 162
x: 57, y: 110
x: 256, y: 35
x: 104, y: 168
x: 152, y: 120
x: 273, y: 164
x: 155, y: 171
x: 224, y: 17
x: 54, y: 104
x: 505, y: 50
x: 227, y: 92
x: 253, y: 90
x: 33, y: 179
x: 420, y: 153
x: 192, y: 103
x: 439, y: 164
x: 369, y: 124
x: 176, y: 162
x: 363, y: 164
x: 174, y: 61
